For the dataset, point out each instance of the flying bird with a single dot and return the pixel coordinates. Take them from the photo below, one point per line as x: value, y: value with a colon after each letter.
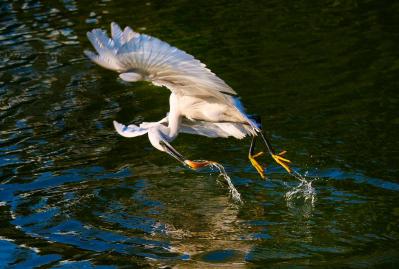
x: 200, y: 102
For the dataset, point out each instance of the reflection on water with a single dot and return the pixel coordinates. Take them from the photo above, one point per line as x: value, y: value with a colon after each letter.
x: 322, y: 75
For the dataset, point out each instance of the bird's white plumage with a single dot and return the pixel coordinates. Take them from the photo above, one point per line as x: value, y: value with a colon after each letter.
x: 141, y: 57
x: 200, y: 102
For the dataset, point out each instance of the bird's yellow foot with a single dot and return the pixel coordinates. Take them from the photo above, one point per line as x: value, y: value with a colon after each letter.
x: 255, y: 163
x: 282, y: 161
x: 195, y: 165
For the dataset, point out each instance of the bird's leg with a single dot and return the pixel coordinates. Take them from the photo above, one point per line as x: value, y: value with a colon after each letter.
x: 277, y: 157
x: 252, y: 156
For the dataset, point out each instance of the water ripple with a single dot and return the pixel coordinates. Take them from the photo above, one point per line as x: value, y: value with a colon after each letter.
x: 323, y: 76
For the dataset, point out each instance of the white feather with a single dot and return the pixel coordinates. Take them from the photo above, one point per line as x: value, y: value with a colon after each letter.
x: 129, y: 131
x: 141, y: 57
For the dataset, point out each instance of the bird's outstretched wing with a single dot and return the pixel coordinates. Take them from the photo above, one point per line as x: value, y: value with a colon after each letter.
x: 141, y: 57
x: 130, y: 130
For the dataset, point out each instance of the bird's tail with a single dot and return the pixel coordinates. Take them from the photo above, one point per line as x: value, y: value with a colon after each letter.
x: 256, y: 125
x: 255, y: 122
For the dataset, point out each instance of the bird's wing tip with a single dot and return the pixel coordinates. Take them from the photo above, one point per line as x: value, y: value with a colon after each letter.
x: 129, y: 131
x: 114, y: 26
x: 89, y: 53
x: 118, y: 127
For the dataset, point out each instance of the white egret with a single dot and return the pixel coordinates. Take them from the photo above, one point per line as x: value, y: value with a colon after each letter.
x: 200, y: 102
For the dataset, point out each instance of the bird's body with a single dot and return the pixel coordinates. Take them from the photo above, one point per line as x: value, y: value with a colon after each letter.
x: 200, y: 102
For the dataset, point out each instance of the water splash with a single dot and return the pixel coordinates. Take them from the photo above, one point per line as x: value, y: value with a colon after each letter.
x: 304, y: 190
x: 235, y: 195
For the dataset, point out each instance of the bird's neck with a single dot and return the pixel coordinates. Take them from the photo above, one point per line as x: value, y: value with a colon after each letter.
x: 174, y: 116
x: 174, y: 120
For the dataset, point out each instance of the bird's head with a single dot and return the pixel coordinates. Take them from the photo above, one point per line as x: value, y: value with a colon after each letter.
x: 159, y: 137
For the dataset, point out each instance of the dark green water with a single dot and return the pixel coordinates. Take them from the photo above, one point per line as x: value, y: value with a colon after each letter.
x: 322, y: 74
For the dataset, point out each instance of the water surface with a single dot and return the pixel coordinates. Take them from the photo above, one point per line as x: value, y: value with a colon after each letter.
x: 323, y: 76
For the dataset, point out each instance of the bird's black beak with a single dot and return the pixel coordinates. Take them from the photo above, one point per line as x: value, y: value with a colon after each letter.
x: 172, y: 152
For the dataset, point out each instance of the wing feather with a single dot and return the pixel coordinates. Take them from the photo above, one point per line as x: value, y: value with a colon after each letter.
x: 156, y: 61
x: 130, y: 130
